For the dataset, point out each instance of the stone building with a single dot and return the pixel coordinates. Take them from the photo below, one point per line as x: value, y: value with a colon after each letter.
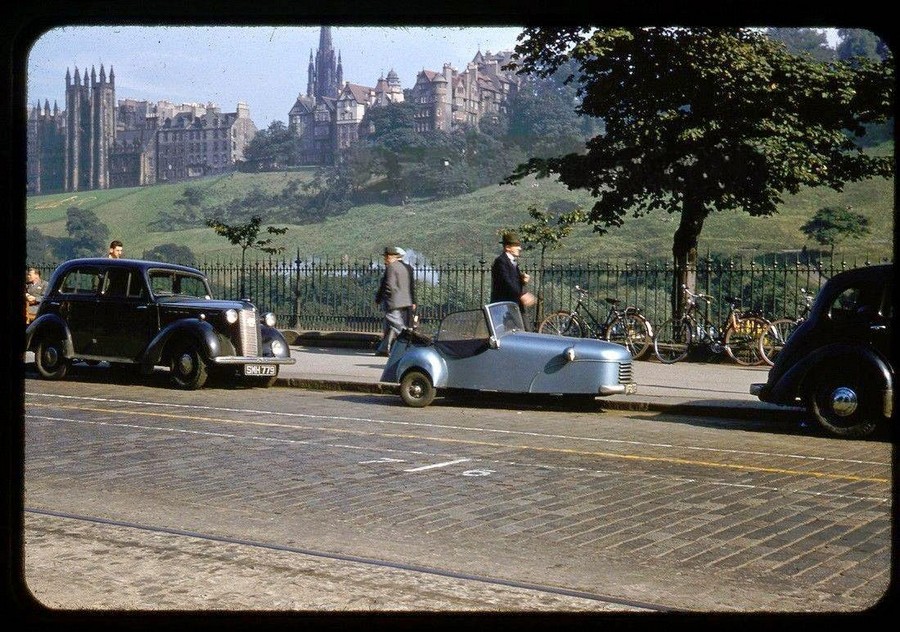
x: 449, y: 99
x: 98, y: 144
x: 327, y: 118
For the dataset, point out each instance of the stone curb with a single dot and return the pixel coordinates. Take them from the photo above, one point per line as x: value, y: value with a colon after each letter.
x: 736, y: 411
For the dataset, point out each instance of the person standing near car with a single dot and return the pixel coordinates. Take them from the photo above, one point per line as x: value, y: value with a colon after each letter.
x: 35, y: 287
x: 507, y: 280
x: 395, y: 297
x: 115, y: 249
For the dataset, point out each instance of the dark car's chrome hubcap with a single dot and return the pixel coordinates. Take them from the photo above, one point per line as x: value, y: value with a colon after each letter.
x: 185, y: 364
x: 844, y: 401
x: 51, y: 356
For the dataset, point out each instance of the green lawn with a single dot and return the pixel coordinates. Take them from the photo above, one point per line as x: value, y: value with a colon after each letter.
x: 466, y: 226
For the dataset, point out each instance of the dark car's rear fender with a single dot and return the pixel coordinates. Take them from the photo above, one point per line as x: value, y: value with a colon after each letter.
x: 839, y: 357
x: 49, y: 325
x: 201, y: 332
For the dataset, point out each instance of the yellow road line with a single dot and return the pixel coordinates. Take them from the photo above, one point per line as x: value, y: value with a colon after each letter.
x: 491, y: 444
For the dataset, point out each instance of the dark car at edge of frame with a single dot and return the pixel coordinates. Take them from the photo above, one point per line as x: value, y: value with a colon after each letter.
x: 839, y: 363
x: 137, y: 315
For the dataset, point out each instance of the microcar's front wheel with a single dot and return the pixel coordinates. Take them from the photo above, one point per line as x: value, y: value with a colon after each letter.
x: 416, y: 389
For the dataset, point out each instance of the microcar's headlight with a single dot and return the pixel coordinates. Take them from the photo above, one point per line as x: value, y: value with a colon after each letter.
x: 278, y: 348
x: 570, y: 354
x: 231, y: 316
x: 269, y: 319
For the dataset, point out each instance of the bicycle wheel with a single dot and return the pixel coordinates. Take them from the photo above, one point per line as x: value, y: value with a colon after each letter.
x: 562, y: 323
x: 672, y: 340
x: 742, y: 341
x: 632, y: 332
x: 773, y: 339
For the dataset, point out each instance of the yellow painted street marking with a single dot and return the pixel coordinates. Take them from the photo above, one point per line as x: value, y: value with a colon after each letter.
x: 490, y: 444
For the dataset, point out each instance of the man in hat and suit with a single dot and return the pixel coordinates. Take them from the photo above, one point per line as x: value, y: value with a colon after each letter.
x: 507, y: 281
x: 395, y: 297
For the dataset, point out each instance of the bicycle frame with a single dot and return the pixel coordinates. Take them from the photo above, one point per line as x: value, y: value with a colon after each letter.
x: 596, y: 328
x: 699, y: 331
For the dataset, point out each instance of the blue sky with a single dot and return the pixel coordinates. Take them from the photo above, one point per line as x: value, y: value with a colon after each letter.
x: 263, y: 66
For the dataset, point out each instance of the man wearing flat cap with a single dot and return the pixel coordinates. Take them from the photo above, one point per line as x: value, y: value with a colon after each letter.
x: 395, y: 297
x: 507, y: 281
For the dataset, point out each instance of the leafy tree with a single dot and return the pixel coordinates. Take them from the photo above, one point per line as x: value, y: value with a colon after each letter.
x: 38, y: 246
x: 542, y: 116
x: 272, y: 148
x: 247, y: 236
x: 860, y: 43
x: 700, y: 120
x: 548, y: 228
x: 803, y: 41
x: 831, y: 223
x: 89, y: 236
x: 188, y: 215
x: 172, y: 253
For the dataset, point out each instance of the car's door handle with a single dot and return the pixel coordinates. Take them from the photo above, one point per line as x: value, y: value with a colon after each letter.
x: 142, y: 307
x: 877, y: 327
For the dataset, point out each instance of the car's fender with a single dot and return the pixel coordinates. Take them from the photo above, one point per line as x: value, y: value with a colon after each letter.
x: 792, y: 383
x: 426, y: 359
x: 202, y: 332
x: 53, y: 325
x: 270, y: 335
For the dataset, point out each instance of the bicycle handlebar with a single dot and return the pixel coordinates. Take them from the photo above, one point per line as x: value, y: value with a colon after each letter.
x: 705, y: 297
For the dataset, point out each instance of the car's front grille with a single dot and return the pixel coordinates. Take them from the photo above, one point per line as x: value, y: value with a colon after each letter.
x: 249, y: 342
x: 625, y: 373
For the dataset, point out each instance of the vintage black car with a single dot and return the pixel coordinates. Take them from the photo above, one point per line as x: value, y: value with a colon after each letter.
x: 838, y: 363
x: 137, y: 315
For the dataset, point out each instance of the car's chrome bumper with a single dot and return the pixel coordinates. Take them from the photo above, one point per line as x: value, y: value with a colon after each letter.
x: 619, y: 389
x: 253, y: 360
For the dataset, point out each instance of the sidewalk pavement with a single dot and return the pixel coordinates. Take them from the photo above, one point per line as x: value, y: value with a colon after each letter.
x: 718, y: 387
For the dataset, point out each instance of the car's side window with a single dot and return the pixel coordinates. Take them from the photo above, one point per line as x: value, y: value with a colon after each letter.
x: 854, y: 302
x: 115, y: 284
x: 162, y: 283
x: 136, y: 286
x: 81, y: 281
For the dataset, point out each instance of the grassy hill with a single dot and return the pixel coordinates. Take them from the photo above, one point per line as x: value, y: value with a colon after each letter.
x: 466, y: 226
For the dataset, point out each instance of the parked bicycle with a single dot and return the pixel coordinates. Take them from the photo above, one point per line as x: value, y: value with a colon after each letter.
x: 780, y: 329
x: 738, y: 335
x: 623, y: 325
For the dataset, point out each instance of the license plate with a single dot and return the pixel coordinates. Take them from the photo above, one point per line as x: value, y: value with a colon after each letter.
x: 259, y: 369
x: 630, y: 388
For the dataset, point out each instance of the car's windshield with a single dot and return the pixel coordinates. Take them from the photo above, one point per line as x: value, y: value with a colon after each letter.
x: 505, y: 318
x: 172, y: 282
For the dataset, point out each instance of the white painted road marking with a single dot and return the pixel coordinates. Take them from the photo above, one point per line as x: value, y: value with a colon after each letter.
x: 431, y: 467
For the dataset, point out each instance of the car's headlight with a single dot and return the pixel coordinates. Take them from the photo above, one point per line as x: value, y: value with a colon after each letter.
x: 269, y: 319
x: 570, y: 354
x: 231, y: 316
x: 278, y: 348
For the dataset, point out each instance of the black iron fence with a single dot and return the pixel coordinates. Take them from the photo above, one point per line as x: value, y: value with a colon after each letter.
x: 338, y: 295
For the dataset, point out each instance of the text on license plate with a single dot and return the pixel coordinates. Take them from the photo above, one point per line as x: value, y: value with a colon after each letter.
x: 259, y: 369
x: 630, y: 388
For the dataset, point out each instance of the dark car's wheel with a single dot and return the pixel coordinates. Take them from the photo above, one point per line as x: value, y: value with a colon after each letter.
x: 187, y: 367
x: 49, y: 359
x: 845, y: 404
x: 416, y: 389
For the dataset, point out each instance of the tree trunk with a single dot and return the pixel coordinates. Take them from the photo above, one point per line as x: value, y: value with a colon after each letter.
x: 684, y: 252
